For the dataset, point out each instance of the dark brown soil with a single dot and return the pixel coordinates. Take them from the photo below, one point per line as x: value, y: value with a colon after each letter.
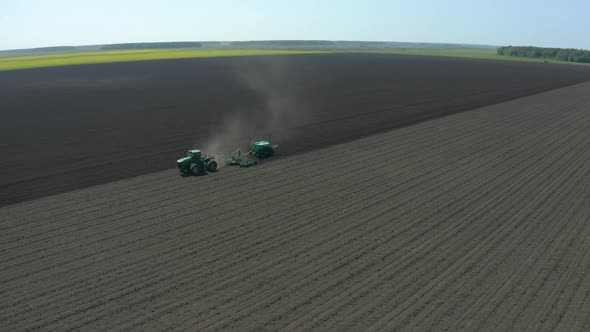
x: 67, y: 128
x: 474, y: 221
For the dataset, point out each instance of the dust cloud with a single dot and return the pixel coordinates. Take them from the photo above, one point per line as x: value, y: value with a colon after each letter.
x: 274, y: 84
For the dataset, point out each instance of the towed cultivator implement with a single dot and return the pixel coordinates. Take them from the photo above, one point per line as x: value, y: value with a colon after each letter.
x: 258, y: 150
x: 239, y: 158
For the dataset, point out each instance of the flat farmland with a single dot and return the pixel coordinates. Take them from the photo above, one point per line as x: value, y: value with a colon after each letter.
x: 67, y: 128
x: 477, y: 220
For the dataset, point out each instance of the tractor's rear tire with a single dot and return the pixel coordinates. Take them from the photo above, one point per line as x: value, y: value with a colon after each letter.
x: 212, y: 166
x: 195, y: 169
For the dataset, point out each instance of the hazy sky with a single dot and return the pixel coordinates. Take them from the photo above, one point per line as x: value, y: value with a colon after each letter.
x: 37, y: 23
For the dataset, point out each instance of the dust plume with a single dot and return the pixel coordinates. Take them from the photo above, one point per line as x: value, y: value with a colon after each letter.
x: 224, y: 141
x: 272, y: 119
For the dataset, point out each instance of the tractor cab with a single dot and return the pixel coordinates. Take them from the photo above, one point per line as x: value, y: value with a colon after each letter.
x: 195, y: 155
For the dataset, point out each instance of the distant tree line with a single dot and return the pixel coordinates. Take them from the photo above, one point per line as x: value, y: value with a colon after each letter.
x: 562, y: 54
x: 54, y: 49
x: 284, y: 43
x: 141, y: 46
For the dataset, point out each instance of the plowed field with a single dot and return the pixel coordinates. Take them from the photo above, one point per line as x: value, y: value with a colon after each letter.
x: 477, y: 220
x: 67, y: 128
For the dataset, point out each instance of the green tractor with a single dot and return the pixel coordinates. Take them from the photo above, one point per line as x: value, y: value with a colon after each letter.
x: 258, y: 149
x: 196, y: 163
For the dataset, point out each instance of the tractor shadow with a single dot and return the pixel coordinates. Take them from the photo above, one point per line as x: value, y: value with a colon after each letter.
x: 182, y: 175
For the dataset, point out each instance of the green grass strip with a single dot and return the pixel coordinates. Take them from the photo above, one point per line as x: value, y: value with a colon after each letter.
x: 80, y: 58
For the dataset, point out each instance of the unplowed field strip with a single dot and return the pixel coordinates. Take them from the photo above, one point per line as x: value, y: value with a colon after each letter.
x: 478, y: 220
x: 68, y: 128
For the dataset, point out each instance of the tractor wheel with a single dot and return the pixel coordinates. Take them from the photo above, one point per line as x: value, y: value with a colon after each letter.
x: 211, y: 165
x: 195, y: 170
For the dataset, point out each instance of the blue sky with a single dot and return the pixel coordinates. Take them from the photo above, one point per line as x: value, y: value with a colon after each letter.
x: 38, y: 23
